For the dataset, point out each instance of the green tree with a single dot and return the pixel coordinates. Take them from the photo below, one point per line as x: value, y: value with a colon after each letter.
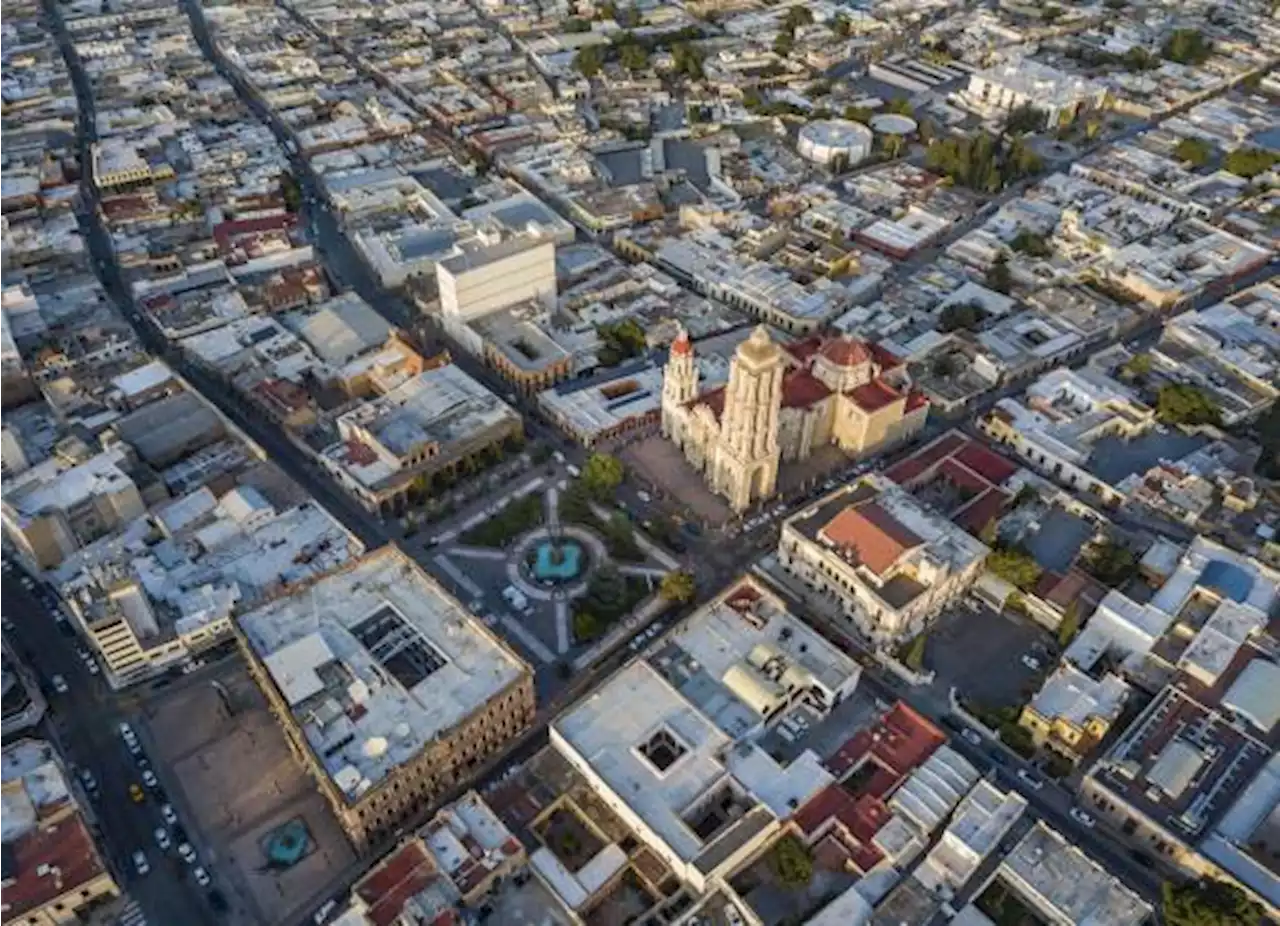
x: 1051, y: 13
x: 1208, y: 903
x: 1015, y: 567
x: 960, y: 315
x: 1070, y: 625
x: 1109, y: 562
x: 574, y: 24
x: 998, y: 276
x: 1194, y: 151
x: 784, y: 44
x: 1269, y: 439
x: 633, y: 57
x: 1026, y: 242
x: 588, y: 61
x: 1187, y: 46
x: 1181, y: 403
x: 796, y: 17
x: 688, y: 60
x: 621, y: 341
x: 678, y: 586
x: 912, y: 653
x: 1139, y: 59
x: 1249, y: 162
x: 586, y: 626
x: 602, y: 474
x: 291, y: 192
x: 900, y: 105
x: 842, y: 26
x: 1026, y: 119
x: 858, y: 114
x: 990, y: 532
x: 791, y: 862
x: 1138, y: 366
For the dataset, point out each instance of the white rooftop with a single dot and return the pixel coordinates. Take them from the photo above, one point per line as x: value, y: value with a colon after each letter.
x: 377, y: 660
x: 1071, y: 695
x: 1255, y: 694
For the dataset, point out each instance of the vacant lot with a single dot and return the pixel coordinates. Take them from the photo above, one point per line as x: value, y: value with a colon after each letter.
x: 234, y: 780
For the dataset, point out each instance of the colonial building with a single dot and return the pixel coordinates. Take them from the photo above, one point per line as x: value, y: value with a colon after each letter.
x: 782, y: 402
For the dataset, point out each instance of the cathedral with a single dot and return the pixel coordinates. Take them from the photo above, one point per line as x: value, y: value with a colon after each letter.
x: 781, y: 403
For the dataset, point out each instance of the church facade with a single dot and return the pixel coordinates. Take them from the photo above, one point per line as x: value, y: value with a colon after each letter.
x: 782, y: 402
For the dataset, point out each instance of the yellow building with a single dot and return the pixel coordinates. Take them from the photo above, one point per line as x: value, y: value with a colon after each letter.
x: 1072, y: 712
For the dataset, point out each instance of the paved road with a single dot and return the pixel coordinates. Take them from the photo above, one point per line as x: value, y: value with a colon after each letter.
x: 84, y: 725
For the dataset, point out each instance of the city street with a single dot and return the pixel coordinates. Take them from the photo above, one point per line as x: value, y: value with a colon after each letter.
x: 84, y: 724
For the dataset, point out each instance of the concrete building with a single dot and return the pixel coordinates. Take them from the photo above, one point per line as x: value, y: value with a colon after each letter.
x: 53, y: 870
x: 675, y: 742
x: 435, y: 425
x: 490, y: 273
x: 388, y: 690
x: 1063, y: 885
x: 1002, y: 89
x: 50, y: 510
x: 890, y: 563
x: 782, y: 403
x: 1072, y: 712
x: 839, y: 143
x: 981, y: 820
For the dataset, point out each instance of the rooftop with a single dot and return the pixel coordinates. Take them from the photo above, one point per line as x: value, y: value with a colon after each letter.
x: 1070, y: 695
x: 1058, y: 875
x: 376, y: 661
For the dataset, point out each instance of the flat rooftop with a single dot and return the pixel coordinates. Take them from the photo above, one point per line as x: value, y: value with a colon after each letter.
x: 1056, y: 874
x: 674, y: 734
x: 375, y: 662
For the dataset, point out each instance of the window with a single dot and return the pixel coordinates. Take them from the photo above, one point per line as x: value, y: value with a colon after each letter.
x: 663, y: 749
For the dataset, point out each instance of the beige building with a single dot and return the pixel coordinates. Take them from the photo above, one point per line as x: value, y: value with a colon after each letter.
x: 781, y: 404
x: 490, y: 273
x: 890, y: 562
x: 388, y: 690
x: 51, y: 510
x: 53, y: 872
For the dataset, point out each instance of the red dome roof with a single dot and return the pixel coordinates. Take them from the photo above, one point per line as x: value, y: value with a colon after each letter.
x: 682, y: 346
x: 845, y: 352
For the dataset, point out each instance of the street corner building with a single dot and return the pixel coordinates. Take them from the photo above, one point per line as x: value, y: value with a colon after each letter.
x: 388, y: 690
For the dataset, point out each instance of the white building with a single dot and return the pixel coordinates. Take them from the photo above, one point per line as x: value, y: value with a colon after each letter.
x: 981, y: 820
x: 490, y: 273
x: 672, y: 742
x: 1015, y: 84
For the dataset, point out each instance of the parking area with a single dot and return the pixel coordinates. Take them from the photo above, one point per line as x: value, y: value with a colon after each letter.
x: 980, y: 652
x: 659, y: 462
x: 235, y: 783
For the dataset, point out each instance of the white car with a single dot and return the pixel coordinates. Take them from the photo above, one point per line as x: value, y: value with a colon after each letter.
x: 201, y: 876
x: 92, y: 665
x: 644, y: 496
x: 149, y: 779
x: 60, y: 684
x: 140, y: 862
x: 27, y: 583
x: 1082, y: 818
x: 1031, y: 781
x: 971, y: 737
x: 162, y: 838
x: 86, y: 778
x: 186, y: 853
x: 1031, y: 662
x: 168, y: 815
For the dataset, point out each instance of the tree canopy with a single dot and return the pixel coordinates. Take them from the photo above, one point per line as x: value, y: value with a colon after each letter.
x: 621, y: 341
x: 998, y: 276
x: 966, y: 315
x: 602, y: 474
x: 1194, y: 151
x: 1249, y: 162
x: 678, y: 586
x: 1187, y: 46
x: 1110, y: 563
x: 633, y: 57
x: 1026, y: 242
x: 1208, y: 903
x: 1025, y: 119
x: 1015, y: 567
x: 983, y: 162
x: 589, y: 60
x: 1181, y: 403
x: 791, y: 862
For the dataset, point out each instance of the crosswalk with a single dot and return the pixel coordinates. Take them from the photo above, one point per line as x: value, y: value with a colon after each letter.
x: 132, y: 915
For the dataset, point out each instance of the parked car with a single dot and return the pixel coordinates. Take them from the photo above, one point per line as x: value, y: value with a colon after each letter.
x: 186, y: 853
x: 149, y: 779
x: 168, y: 815
x: 88, y: 781
x: 1031, y: 781
x: 201, y: 876
x: 971, y: 737
x: 60, y: 684
x: 1031, y: 662
x: 162, y: 838
x: 136, y: 794
x: 1082, y: 818
x: 140, y: 864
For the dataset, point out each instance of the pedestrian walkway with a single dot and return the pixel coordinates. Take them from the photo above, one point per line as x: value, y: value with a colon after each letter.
x: 132, y: 915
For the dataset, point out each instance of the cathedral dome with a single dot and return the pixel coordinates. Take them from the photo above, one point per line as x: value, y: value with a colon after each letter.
x: 759, y: 348
x: 845, y: 352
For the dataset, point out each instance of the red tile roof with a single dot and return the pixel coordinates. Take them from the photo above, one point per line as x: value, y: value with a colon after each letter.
x: 389, y: 887
x: 225, y: 232
x: 801, y: 389
x: 714, y: 400
x: 962, y: 476
x: 682, y: 346
x: 899, y: 742
x: 852, y: 819
x: 906, y: 470
x: 66, y: 847
x: 875, y: 395
x: 986, y: 463
x: 974, y: 516
x: 802, y: 351
x: 916, y: 400
x: 884, y: 358
x: 875, y: 536
x: 846, y: 352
